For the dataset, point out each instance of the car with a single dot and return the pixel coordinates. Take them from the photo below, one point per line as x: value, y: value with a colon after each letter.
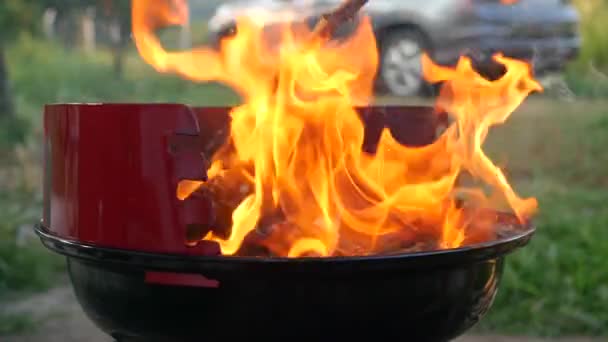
x: 544, y: 32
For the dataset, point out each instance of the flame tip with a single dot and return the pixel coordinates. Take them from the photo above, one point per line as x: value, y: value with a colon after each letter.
x: 295, y: 144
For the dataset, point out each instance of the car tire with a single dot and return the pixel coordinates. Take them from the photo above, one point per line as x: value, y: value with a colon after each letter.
x: 400, y: 70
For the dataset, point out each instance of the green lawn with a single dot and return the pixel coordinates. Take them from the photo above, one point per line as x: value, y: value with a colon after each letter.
x: 558, y: 285
x: 554, y: 150
x: 12, y: 324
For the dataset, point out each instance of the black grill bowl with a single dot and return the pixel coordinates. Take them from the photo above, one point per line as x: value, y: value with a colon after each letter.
x: 118, y: 190
x: 434, y: 296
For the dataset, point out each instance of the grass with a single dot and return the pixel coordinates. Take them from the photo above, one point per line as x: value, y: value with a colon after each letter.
x: 43, y: 72
x: 14, y: 324
x: 558, y: 285
x: 24, y: 266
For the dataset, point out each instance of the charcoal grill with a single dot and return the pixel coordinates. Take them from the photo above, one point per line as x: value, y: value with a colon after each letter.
x: 110, y: 206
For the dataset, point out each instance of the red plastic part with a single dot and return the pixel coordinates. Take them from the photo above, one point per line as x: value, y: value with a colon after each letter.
x: 111, y: 176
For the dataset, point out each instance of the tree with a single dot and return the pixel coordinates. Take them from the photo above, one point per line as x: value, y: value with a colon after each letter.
x: 6, y: 97
x: 17, y: 16
x: 118, y: 14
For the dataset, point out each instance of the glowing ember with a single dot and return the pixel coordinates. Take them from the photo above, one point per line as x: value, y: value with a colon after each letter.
x: 293, y: 164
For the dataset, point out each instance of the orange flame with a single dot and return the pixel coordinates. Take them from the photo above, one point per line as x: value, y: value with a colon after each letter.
x: 301, y: 138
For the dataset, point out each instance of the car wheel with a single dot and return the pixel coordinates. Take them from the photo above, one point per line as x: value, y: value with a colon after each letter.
x: 400, y: 71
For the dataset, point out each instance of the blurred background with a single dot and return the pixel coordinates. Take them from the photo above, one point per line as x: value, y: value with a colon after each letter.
x: 553, y: 147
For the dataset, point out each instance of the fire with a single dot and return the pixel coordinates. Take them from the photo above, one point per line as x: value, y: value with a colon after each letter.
x: 295, y: 143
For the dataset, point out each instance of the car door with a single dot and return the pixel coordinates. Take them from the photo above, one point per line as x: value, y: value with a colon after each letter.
x: 530, y: 18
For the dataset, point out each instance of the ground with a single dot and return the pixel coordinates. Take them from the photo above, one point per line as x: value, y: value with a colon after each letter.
x: 61, y: 316
x: 63, y: 320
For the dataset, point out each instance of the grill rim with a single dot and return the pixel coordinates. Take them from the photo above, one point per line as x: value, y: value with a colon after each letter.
x: 444, y: 258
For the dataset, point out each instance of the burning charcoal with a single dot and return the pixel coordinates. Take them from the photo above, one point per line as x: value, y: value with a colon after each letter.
x: 395, y: 241
x: 195, y: 233
x: 486, y: 66
x: 479, y: 225
x: 253, y: 250
x: 415, y: 247
x: 280, y: 238
x: 269, y: 223
x: 485, y: 225
x: 505, y: 230
x: 406, y: 240
x: 270, y: 238
x: 226, y: 191
x: 229, y: 30
x: 357, y: 250
x: 310, y: 254
x: 331, y: 21
x: 253, y: 246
